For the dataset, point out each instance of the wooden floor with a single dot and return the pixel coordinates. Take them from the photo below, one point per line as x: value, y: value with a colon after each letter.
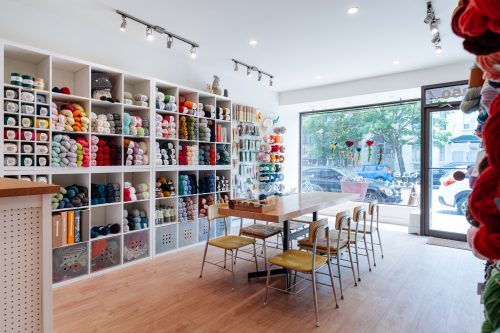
x: 415, y: 288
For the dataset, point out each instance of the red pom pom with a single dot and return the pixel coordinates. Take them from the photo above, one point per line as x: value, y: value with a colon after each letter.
x: 490, y: 134
x: 487, y: 244
x: 490, y: 8
x: 65, y: 90
x: 482, y: 199
x: 490, y: 64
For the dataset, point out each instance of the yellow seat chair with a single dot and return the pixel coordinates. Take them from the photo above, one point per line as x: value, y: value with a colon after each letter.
x: 229, y: 243
x: 262, y: 232
x: 360, y: 234
x: 306, y: 262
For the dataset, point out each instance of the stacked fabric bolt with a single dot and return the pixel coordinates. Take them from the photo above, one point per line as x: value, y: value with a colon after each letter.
x: 164, y: 188
x: 222, y: 184
x: 187, y: 107
x: 207, y: 183
x: 70, y: 118
x: 70, y: 197
x: 223, y: 156
x: 136, y: 153
x: 69, y: 152
x: 188, y: 155
x: 223, y: 198
x: 164, y: 214
x: 137, y: 219
x: 187, y: 185
x: 207, y: 155
x: 209, y: 111
x: 135, y: 125
x: 204, y: 129
x: 205, y: 201
x: 166, y: 127
x: 142, y: 191
x: 104, y: 193
x: 165, y: 102
x: 187, y: 209
x: 165, y: 153
x: 223, y: 113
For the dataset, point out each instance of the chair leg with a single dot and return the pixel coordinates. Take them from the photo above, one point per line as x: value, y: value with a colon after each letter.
x: 225, y: 255
x: 367, y: 254
x: 352, y: 266
x: 340, y: 276
x: 357, y: 258
x: 232, y: 268
x: 315, y: 296
x: 294, y: 278
x: 204, y: 257
x: 373, y: 249
x: 267, y: 283
x: 380, y: 243
x: 255, y: 257
x: 265, y: 253
x: 333, y: 285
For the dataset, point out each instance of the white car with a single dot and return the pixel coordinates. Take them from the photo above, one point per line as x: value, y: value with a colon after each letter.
x: 454, y: 193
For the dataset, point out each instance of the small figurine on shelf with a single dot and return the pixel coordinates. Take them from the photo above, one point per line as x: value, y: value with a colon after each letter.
x: 101, y: 87
x: 216, y: 86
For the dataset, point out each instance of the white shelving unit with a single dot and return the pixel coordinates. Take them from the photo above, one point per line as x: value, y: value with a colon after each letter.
x: 93, y: 256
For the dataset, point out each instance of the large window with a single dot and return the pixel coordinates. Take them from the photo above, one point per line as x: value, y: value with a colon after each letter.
x: 373, y: 147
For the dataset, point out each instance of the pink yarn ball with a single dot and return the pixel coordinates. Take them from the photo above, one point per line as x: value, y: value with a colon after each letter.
x: 470, y: 240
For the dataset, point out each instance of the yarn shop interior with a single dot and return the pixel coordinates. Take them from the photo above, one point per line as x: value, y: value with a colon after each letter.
x: 224, y: 166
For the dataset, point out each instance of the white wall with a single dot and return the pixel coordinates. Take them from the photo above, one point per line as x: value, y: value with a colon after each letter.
x: 361, y: 92
x: 89, y: 31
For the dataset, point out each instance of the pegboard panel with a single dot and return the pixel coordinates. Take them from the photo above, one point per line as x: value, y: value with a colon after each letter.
x: 20, y: 270
x: 203, y: 230
x: 219, y: 227
x: 105, y: 253
x: 165, y: 238
x: 69, y: 262
x: 187, y: 233
x: 135, y: 246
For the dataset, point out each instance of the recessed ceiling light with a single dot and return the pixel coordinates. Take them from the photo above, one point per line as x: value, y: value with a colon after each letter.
x: 318, y: 77
x: 253, y: 42
x: 353, y: 10
x: 396, y: 62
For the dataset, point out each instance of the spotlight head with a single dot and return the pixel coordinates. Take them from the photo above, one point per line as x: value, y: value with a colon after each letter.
x: 235, y: 66
x: 438, y: 49
x: 271, y: 81
x: 193, y: 52
x: 170, y: 41
x: 149, y: 34
x: 430, y: 13
x: 434, y: 28
x: 259, y: 77
x: 436, y: 39
x: 123, y: 26
x: 249, y: 72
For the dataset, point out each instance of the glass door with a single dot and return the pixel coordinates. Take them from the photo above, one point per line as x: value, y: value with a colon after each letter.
x: 450, y: 151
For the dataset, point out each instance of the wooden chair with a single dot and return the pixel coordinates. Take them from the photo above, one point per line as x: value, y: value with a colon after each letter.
x: 262, y: 232
x: 373, y: 209
x: 226, y: 242
x: 341, y: 243
x: 307, y: 262
x: 359, y: 234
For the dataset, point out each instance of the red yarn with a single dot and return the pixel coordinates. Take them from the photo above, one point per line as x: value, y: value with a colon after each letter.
x: 487, y: 244
x: 482, y: 199
x: 487, y: 43
x: 490, y: 64
x: 491, y: 132
x: 490, y: 8
x: 472, y: 23
x: 456, y: 17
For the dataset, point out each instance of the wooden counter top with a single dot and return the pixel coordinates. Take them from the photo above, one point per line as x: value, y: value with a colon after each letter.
x: 295, y: 205
x: 17, y: 188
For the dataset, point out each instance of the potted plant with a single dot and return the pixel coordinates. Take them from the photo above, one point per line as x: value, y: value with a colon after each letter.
x: 356, y: 185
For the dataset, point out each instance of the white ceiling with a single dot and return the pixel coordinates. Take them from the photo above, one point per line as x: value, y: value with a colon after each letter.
x: 297, y: 39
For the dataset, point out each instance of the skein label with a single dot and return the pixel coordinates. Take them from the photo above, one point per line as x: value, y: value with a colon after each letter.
x: 15, y: 78
x: 11, y: 135
x: 28, y: 149
x: 28, y: 161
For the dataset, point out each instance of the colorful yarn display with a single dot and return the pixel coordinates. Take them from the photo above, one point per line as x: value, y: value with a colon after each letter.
x: 70, y: 197
x: 187, y: 185
x: 165, y: 153
x: 164, y: 214
x: 104, y: 152
x: 135, y: 125
x: 70, y: 152
x: 137, y: 219
x: 165, y: 127
x: 204, y: 202
x: 188, y: 155
x: 223, y: 184
x: 165, y: 102
x: 187, y: 209
x: 207, y: 154
x: 490, y: 64
x: 136, y: 153
x: 70, y: 118
x: 164, y: 188
x: 207, y: 183
x: 104, y: 193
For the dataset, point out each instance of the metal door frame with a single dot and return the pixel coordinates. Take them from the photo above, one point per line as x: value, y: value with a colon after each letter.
x: 425, y: 167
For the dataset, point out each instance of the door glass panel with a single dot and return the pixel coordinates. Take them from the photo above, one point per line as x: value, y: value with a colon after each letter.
x: 454, y: 148
x: 445, y: 94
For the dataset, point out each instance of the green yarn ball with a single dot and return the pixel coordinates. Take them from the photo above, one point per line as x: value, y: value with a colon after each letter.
x: 491, y: 299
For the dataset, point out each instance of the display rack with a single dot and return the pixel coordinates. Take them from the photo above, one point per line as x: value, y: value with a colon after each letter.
x: 93, y: 252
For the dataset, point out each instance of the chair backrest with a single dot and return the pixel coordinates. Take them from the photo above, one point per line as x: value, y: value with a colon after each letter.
x: 342, y: 220
x: 213, y: 211
x: 315, y: 225
x: 358, y: 216
x: 372, y: 207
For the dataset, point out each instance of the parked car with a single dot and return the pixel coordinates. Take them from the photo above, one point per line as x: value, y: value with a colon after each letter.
x: 377, y: 172
x: 437, y: 174
x: 328, y: 180
x: 454, y: 193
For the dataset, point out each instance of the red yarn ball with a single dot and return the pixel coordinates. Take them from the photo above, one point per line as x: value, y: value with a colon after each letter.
x: 487, y: 43
x: 487, y: 244
x: 491, y: 132
x: 457, y: 13
x: 490, y: 64
x: 472, y: 23
x: 482, y: 199
x: 490, y: 8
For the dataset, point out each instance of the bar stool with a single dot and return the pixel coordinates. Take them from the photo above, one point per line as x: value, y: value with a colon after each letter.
x: 307, y: 262
x: 226, y: 242
x: 341, y: 243
x: 373, y: 209
x: 359, y: 218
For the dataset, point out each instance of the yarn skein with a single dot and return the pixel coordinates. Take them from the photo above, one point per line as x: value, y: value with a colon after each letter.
x: 482, y: 203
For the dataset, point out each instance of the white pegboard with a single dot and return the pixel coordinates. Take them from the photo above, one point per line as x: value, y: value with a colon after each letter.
x: 20, y: 270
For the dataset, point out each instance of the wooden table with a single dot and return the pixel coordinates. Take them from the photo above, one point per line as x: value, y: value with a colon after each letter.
x: 288, y: 208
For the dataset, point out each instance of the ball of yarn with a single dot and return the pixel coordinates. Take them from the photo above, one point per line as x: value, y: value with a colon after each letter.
x: 490, y: 134
x: 490, y: 8
x: 490, y: 64
x: 491, y: 298
x: 471, y: 233
x: 488, y: 95
x: 482, y: 203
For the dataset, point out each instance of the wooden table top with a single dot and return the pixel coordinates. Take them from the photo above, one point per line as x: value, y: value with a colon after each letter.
x: 16, y: 188
x: 295, y: 205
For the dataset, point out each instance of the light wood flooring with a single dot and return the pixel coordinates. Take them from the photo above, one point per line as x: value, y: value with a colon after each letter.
x: 415, y: 288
